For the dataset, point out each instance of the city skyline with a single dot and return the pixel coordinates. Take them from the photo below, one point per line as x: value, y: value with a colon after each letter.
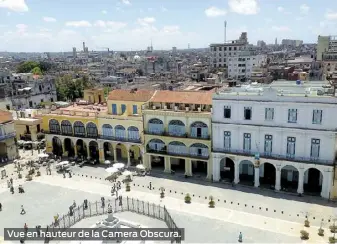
x: 130, y: 24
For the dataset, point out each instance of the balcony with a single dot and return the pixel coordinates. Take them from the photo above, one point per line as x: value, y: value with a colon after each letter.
x: 7, y: 136
x: 185, y: 135
x: 268, y: 155
x: 188, y: 155
x: 123, y: 139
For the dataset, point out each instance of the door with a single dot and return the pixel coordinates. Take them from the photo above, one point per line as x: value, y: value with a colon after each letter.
x: 99, y: 98
x: 119, y: 153
x: 198, y: 132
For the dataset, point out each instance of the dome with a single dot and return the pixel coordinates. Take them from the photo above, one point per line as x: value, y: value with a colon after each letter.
x: 136, y: 57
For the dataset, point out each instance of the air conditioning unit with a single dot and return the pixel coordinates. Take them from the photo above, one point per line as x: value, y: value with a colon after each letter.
x: 187, y: 109
x: 154, y: 107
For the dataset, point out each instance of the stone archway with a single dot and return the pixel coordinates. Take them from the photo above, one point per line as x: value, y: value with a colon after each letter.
x: 289, y: 178
x: 135, y: 155
x: 267, y: 175
x: 108, y: 151
x: 313, y: 179
x: 82, y: 150
x: 246, y: 172
x: 121, y: 153
x: 227, y: 169
x: 57, y: 146
x: 69, y: 147
x: 93, y: 150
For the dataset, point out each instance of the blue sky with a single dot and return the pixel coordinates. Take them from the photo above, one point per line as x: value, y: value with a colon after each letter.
x: 58, y: 25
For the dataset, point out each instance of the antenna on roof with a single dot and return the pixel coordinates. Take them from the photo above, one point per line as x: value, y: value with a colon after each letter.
x: 225, y: 33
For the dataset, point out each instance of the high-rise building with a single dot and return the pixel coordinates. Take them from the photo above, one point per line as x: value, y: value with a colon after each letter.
x: 74, y: 52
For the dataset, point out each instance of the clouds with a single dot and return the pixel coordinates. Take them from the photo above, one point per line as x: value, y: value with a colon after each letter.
x: 81, y: 23
x: 245, y: 7
x: 330, y: 15
x: 49, y: 19
x: 215, y: 12
x: 146, y: 21
x: 281, y: 28
x: 304, y: 9
x: 126, y: 2
x: 14, y: 5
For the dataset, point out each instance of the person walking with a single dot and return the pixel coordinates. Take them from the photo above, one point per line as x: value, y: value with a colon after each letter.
x: 23, y: 211
x: 240, y: 237
x: 0, y: 207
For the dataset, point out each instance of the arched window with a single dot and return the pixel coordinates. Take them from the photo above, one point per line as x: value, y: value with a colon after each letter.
x: 199, y: 150
x: 133, y: 133
x: 177, y: 148
x: 156, y: 126
x: 54, y: 126
x: 199, y: 130
x: 79, y: 129
x: 156, y: 145
x: 107, y: 131
x: 176, y: 128
x: 66, y: 128
x: 120, y: 132
x: 92, y: 130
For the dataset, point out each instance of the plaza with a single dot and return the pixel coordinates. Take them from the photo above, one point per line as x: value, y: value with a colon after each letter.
x: 261, y: 218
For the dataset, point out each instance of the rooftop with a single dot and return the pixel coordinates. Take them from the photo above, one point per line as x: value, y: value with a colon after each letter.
x: 5, y: 116
x: 131, y: 95
x: 187, y: 97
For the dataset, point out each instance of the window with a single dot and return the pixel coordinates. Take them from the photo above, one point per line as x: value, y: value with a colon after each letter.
x: 247, y: 142
x: 227, y: 112
x: 317, y: 116
x: 269, y: 114
x: 227, y: 140
x: 114, y: 109
x: 123, y: 108
x: 134, y: 109
x: 292, y: 115
x: 291, y: 144
x: 315, y: 146
x: 268, y: 144
x: 248, y: 113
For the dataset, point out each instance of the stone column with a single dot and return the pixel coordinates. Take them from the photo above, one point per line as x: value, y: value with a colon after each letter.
x: 101, y: 155
x: 167, y: 164
x: 75, y: 150
x: 237, y: 172
x: 115, y: 154
x: 300, y: 181
x: 147, y: 161
x: 188, y: 167
x: 209, y: 169
x: 326, y: 184
x: 256, y: 176
x: 88, y: 151
x: 278, y: 179
x: 216, y: 169
x: 128, y: 155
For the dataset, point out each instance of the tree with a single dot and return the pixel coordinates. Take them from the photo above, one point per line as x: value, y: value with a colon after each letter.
x: 27, y: 66
x: 36, y: 71
x: 45, y: 66
x: 140, y: 72
x: 68, y: 88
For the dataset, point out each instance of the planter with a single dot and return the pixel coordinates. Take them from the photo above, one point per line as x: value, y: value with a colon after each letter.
x: 332, y: 239
x: 211, y: 204
x: 38, y: 173
x: 187, y: 198
x: 321, y: 232
x: 162, y: 195
x: 306, y: 223
x: 128, y: 187
x: 304, y: 235
x: 29, y: 178
x: 20, y: 176
x: 333, y: 228
x: 31, y: 171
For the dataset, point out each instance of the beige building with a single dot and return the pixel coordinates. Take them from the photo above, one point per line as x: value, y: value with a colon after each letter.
x: 8, y: 149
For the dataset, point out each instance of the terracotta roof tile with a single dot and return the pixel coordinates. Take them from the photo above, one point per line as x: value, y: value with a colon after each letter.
x: 5, y: 116
x: 188, y: 97
x: 129, y: 95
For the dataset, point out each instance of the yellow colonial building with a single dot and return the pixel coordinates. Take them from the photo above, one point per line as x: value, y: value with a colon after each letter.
x: 8, y: 148
x: 177, y: 128
x: 111, y: 130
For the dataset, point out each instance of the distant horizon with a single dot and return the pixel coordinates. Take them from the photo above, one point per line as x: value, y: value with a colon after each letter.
x: 53, y: 26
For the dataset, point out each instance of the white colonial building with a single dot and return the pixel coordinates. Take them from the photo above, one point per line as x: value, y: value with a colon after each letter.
x: 282, y: 136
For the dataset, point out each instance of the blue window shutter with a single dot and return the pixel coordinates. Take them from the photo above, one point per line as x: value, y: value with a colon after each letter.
x: 114, y: 109
x: 123, y: 108
x: 134, y: 108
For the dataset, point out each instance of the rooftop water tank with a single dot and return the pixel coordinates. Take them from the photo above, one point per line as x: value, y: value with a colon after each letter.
x: 298, y: 82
